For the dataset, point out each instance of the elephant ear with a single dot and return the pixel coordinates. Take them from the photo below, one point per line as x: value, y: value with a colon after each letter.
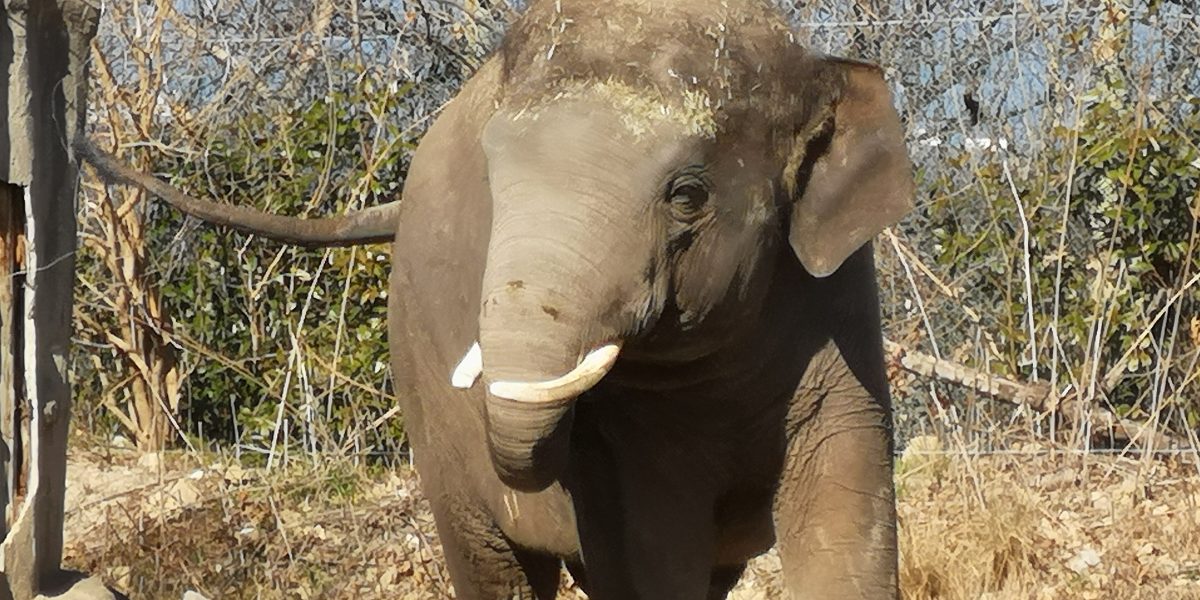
x: 852, y: 175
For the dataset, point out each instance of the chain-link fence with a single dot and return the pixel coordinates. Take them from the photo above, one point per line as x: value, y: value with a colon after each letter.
x: 966, y: 73
x: 1030, y: 123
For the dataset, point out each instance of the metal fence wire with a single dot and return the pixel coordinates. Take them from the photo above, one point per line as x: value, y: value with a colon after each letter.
x: 961, y: 70
x: 978, y: 83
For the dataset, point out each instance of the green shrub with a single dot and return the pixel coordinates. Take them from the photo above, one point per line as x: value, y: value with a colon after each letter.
x: 1112, y: 210
x: 255, y: 318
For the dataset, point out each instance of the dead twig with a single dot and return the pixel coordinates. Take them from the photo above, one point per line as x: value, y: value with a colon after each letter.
x: 1038, y: 396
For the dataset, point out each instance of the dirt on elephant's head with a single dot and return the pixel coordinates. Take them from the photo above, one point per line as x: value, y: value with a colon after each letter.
x: 698, y: 63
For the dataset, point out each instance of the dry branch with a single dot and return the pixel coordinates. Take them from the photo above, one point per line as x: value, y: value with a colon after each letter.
x: 1038, y: 396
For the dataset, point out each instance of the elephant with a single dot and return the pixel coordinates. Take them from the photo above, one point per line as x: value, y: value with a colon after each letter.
x: 634, y: 321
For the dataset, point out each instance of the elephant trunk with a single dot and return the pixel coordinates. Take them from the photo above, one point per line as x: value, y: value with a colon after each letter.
x: 549, y: 330
x: 565, y: 281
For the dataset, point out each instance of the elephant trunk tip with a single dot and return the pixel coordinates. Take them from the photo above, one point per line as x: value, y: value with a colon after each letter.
x: 528, y: 451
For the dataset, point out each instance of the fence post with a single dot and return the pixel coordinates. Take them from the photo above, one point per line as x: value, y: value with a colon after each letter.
x: 44, y: 46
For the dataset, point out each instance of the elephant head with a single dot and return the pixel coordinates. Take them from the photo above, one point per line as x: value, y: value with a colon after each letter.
x: 640, y: 208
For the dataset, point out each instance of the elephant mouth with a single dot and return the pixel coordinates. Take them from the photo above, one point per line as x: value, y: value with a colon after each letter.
x: 586, y: 374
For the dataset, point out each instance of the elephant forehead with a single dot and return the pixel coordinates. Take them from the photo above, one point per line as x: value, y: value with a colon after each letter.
x: 642, y: 109
x: 567, y: 138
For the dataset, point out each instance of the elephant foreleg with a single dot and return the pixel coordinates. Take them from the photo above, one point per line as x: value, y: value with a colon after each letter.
x: 835, y: 509
x: 483, y: 563
x: 723, y: 580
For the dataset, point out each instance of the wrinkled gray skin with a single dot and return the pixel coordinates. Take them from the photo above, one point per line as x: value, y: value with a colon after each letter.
x: 553, y: 208
x: 680, y: 177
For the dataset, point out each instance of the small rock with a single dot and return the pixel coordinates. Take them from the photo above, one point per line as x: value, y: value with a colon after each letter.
x: 88, y: 589
x: 150, y: 460
x: 1084, y: 559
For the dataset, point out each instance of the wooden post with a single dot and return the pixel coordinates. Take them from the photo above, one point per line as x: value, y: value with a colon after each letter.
x: 44, y: 46
x: 14, y: 429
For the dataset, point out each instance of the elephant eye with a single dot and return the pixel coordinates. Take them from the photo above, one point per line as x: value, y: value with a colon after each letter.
x: 688, y: 194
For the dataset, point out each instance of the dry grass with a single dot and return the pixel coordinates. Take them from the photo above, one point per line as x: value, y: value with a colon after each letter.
x: 1043, y: 524
x: 1037, y: 523
x: 328, y: 531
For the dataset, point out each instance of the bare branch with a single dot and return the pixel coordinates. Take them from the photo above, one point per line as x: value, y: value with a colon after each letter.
x: 1038, y: 396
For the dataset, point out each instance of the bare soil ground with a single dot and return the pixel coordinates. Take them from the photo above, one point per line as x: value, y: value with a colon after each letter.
x: 1036, y: 523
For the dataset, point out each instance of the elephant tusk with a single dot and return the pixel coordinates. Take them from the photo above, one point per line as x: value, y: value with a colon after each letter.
x: 590, y: 371
x: 468, y: 368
